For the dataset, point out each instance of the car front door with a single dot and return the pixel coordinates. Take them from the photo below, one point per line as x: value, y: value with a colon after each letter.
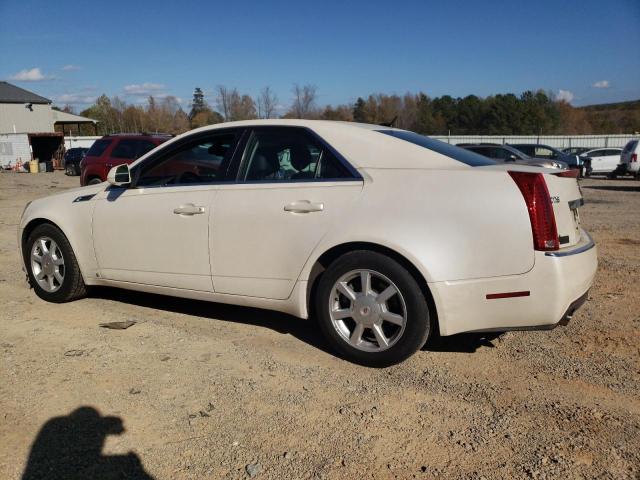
x: 291, y: 189
x: 157, y: 231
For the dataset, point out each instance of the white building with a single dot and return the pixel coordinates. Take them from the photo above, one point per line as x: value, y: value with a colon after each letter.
x: 27, y: 126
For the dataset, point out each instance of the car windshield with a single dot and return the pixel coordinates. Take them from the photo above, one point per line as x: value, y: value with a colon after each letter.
x: 460, y: 154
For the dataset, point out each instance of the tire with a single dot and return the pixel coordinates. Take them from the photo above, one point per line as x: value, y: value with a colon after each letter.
x: 70, y: 170
x: 94, y: 181
x: 68, y: 285
x: 339, y: 316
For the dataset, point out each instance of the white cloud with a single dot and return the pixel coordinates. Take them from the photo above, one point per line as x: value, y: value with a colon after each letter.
x: 33, y: 75
x: 144, y: 89
x: 75, y: 99
x: 70, y: 68
x: 565, y: 96
x: 601, y: 84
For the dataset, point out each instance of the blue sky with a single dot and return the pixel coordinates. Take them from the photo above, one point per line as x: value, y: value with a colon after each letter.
x: 586, y: 51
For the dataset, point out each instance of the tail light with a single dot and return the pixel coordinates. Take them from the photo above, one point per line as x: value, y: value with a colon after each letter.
x: 536, y: 196
x: 634, y: 157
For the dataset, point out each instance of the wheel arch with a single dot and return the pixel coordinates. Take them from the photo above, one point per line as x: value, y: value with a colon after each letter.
x: 325, y: 259
x: 32, y: 224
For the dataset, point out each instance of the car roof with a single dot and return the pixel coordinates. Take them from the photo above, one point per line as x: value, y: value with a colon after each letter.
x: 359, y: 143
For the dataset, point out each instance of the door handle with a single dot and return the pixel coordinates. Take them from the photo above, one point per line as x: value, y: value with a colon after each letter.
x: 188, y: 209
x: 303, y: 206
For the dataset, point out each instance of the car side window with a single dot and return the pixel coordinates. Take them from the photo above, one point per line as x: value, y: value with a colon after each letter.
x: 125, y: 149
x: 542, y: 152
x: 204, y: 160
x: 612, y: 152
x: 144, y: 146
x: 98, y: 147
x: 500, y: 153
x: 288, y: 154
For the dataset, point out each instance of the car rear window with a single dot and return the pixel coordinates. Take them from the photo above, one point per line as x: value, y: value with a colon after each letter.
x: 460, y: 154
x: 98, y: 148
x: 630, y: 146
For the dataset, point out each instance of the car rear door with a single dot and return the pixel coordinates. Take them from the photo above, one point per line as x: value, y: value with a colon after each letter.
x: 157, y: 232
x: 598, y: 161
x: 611, y: 159
x: 291, y: 189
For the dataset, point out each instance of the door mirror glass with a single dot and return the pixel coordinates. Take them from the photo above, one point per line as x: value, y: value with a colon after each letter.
x: 119, y: 175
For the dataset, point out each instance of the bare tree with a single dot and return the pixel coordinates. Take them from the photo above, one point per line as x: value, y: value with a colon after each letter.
x: 267, y: 102
x: 304, y: 101
x: 224, y: 100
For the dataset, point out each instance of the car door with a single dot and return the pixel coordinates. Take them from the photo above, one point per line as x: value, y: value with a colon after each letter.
x: 598, y: 163
x: 611, y: 159
x: 157, y: 231
x: 291, y: 189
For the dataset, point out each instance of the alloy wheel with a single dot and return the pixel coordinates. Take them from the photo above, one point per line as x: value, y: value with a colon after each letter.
x: 47, y: 264
x: 367, y: 310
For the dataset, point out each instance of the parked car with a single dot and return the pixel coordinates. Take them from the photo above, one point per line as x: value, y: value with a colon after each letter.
x: 113, y: 150
x: 629, y: 164
x: 576, y: 150
x: 601, y: 160
x: 506, y: 153
x: 545, y: 151
x: 71, y: 160
x: 386, y: 235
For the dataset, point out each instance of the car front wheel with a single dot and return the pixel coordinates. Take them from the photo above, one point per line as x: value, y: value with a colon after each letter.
x: 371, y: 309
x: 52, y: 267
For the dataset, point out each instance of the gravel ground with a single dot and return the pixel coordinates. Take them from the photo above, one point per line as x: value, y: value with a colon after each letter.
x: 198, y: 390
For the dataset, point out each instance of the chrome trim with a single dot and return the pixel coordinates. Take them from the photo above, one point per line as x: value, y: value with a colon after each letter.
x: 588, y: 246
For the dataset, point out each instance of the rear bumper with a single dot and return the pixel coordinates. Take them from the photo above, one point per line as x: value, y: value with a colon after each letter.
x: 548, y: 294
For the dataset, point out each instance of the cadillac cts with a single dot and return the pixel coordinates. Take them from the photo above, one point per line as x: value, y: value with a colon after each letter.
x: 387, y: 235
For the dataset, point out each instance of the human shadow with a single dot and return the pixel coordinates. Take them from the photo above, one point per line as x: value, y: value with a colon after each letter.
x: 70, y: 448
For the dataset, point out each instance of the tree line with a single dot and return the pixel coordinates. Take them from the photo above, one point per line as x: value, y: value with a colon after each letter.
x: 530, y: 113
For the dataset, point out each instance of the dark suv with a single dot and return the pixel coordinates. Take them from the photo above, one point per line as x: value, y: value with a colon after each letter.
x: 116, y: 149
x: 72, y: 159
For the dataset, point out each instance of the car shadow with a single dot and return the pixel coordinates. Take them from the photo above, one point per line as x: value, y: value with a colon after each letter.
x: 306, y: 331
x: 70, y: 447
x: 615, y: 188
x: 462, y: 342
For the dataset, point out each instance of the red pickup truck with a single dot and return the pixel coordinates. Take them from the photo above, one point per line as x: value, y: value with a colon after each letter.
x: 116, y: 149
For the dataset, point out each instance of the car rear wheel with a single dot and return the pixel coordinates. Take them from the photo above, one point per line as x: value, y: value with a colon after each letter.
x: 52, y: 267
x: 70, y: 170
x: 371, y: 309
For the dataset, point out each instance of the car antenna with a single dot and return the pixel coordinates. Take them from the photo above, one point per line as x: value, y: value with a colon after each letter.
x: 391, y: 123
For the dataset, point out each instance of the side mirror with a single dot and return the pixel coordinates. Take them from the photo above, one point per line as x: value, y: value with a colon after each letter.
x: 119, y: 175
x: 512, y: 158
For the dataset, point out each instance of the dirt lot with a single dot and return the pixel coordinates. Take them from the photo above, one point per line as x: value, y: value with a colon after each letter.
x: 198, y: 390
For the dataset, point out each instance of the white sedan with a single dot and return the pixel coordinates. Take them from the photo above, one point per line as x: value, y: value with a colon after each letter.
x: 603, y: 160
x: 386, y: 235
